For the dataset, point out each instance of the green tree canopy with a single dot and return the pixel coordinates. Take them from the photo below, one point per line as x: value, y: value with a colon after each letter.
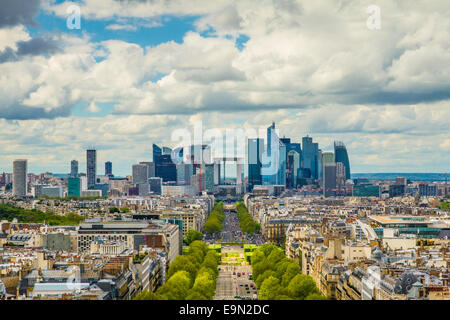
x: 192, y: 235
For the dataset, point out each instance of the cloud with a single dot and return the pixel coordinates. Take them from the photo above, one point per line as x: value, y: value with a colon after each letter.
x: 35, y: 46
x: 299, y: 54
x: 313, y: 67
x: 126, y: 27
x: 17, y: 12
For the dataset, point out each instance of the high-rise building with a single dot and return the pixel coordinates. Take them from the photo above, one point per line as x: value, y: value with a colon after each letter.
x: 91, y: 167
x: 108, y: 168
x: 166, y: 150
x: 150, y: 168
x: 165, y: 168
x: 340, y: 177
x: 74, y: 168
x: 156, y: 152
x: 20, y: 178
x: 270, y: 129
x: 329, y: 180
x: 140, y: 173
x: 209, y: 177
x: 155, y: 185
x: 254, y: 158
x: 341, y: 155
x: 274, y: 161
x: 184, y: 173
x: 74, y: 187
x: 177, y: 155
x: 324, y: 158
x: 310, y: 161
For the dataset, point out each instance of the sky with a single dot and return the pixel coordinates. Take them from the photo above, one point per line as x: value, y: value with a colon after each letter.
x: 136, y: 71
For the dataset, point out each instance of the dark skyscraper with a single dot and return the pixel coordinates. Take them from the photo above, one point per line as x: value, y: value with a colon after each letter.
x: 108, y: 168
x: 329, y: 180
x: 91, y: 167
x: 310, y: 155
x: 341, y: 155
x: 165, y: 168
x: 157, y: 151
x: 74, y: 168
x: 254, y: 155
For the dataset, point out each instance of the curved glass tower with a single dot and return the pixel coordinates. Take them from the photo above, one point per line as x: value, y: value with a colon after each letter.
x: 341, y: 155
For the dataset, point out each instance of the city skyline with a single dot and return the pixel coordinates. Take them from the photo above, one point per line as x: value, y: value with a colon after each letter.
x: 242, y: 151
x: 384, y: 91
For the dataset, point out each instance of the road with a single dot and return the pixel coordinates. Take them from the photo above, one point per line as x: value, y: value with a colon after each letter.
x: 231, y: 286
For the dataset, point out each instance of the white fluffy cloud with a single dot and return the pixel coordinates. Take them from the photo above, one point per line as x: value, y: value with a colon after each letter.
x: 313, y: 67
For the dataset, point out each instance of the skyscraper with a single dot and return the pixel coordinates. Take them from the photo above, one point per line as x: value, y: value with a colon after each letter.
x: 108, y: 168
x: 155, y: 185
x: 274, y: 163
x: 140, y: 173
x: 209, y: 177
x: 166, y: 150
x: 254, y: 157
x: 324, y: 157
x: 329, y: 180
x: 20, y: 178
x: 310, y: 159
x: 184, y: 173
x: 74, y: 168
x: 74, y: 186
x: 269, y: 138
x: 156, y: 152
x: 165, y: 168
x: 150, y: 168
x: 341, y: 155
x: 91, y: 167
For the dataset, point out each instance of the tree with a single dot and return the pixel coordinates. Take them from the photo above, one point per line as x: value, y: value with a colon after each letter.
x: 276, y: 256
x: 264, y: 276
x: 205, y: 285
x: 176, y: 288
x: 261, y: 267
x: 257, y: 256
x: 267, y: 248
x: 182, y: 263
x: 301, y: 286
x: 193, y: 235
x: 292, y: 270
x: 195, y: 295
x: 270, y: 289
x: 211, y: 263
x: 149, y: 295
x: 315, y: 296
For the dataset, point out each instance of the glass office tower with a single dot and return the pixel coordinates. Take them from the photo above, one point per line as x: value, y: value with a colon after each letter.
x: 341, y: 155
x: 310, y: 159
x: 157, y: 151
x: 254, y: 156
